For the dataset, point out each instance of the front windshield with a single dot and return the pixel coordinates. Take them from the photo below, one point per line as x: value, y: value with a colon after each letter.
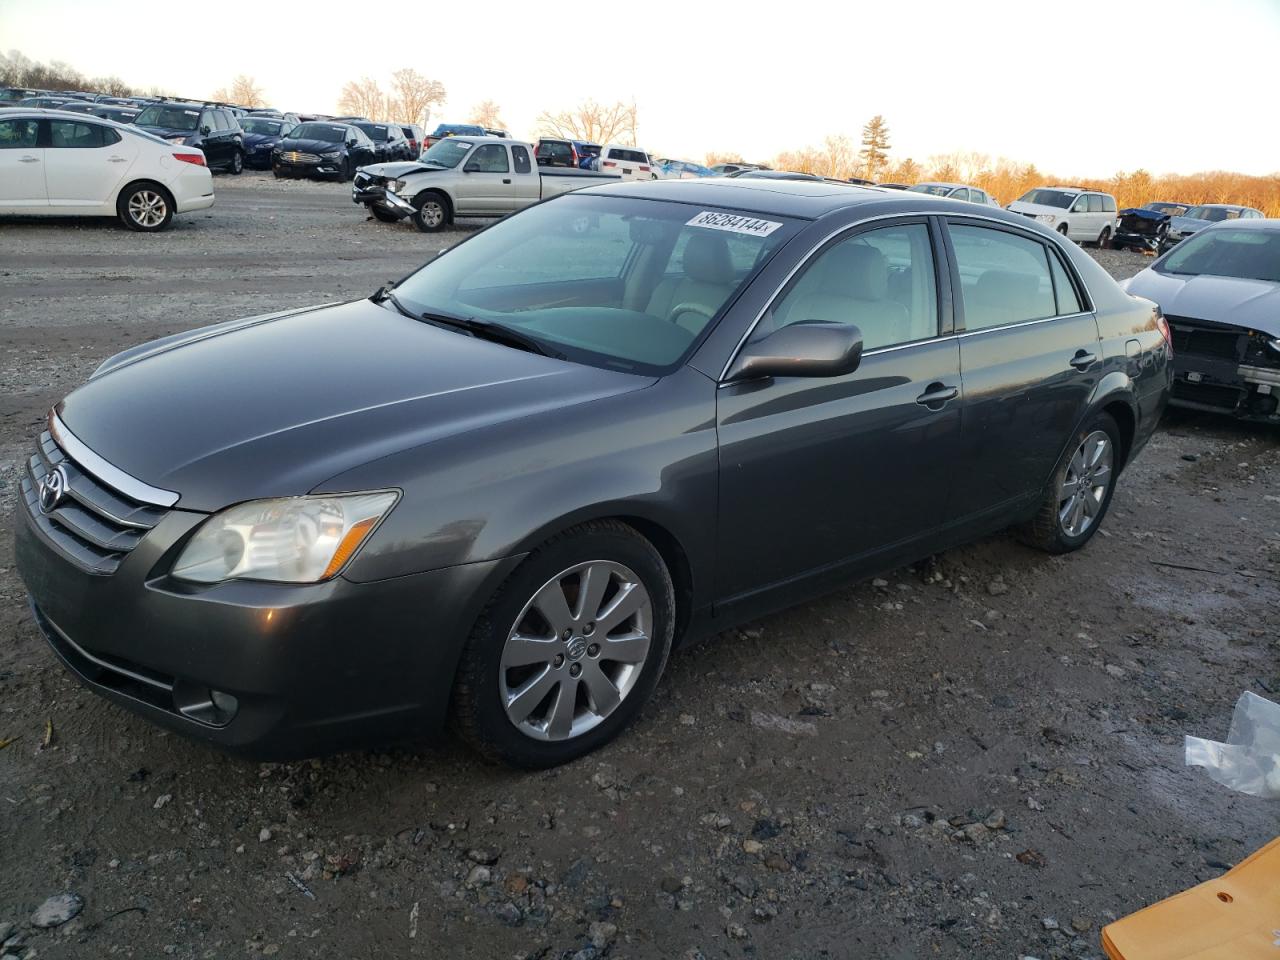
x: 611, y: 281
x: 169, y: 118
x: 329, y: 132
x: 1212, y: 214
x: 447, y: 153
x: 270, y: 128
x: 1227, y: 252
x: 932, y: 189
x: 376, y: 131
x: 1049, y: 198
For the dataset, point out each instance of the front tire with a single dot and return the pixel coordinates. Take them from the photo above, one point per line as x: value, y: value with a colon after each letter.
x: 386, y: 216
x: 1062, y: 229
x: 145, y: 206
x: 430, y: 212
x: 1081, y: 490
x: 569, y: 648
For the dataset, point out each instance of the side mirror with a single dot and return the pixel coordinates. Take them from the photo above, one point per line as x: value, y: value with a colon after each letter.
x: 205, y: 131
x: 811, y: 349
x: 352, y: 142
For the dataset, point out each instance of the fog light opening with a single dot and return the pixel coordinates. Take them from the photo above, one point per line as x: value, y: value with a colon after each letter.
x: 203, y: 705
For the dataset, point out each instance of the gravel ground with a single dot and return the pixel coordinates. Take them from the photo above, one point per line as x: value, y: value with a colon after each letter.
x: 976, y: 757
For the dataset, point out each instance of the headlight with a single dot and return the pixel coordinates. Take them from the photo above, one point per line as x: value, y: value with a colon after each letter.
x: 293, y: 540
x: 395, y: 186
x: 1046, y: 217
x: 1274, y: 345
x: 332, y: 154
x: 181, y: 139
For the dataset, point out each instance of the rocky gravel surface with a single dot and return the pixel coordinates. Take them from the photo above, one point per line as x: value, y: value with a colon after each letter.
x: 979, y: 756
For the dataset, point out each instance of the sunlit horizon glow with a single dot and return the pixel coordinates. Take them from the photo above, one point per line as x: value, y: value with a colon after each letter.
x: 1081, y: 91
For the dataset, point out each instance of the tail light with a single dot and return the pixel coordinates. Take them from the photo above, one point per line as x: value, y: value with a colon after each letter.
x: 644, y: 169
x: 196, y: 158
x: 1165, y: 332
x: 608, y: 163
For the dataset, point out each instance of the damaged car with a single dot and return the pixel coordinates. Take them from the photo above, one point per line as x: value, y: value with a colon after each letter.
x: 1144, y: 227
x: 1207, y: 214
x: 1220, y: 292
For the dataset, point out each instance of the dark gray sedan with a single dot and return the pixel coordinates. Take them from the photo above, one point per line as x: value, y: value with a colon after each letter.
x: 501, y: 492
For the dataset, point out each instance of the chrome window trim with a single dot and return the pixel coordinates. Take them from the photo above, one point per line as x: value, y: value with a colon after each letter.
x: 1056, y: 238
x: 104, y: 471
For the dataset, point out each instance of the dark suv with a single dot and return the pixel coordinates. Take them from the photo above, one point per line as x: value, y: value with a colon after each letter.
x: 213, y: 129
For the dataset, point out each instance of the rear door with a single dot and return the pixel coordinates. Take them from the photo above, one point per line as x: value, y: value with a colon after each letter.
x: 820, y: 474
x: 1030, y: 356
x: 22, y: 165
x: 86, y: 163
x: 526, y: 180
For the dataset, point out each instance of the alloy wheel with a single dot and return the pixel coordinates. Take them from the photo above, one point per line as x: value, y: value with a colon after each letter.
x: 147, y: 208
x: 576, y: 650
x: 432, y: 213
x: 1085, y: 485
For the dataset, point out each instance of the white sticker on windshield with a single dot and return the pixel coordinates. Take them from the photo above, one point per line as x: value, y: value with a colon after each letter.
x: 734, y: 223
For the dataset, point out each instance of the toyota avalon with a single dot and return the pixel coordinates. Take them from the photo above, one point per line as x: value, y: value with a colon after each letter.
x: 499, y: 492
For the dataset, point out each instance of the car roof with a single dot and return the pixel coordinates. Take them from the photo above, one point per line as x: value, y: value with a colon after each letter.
x: 56, y: 114
x: 1222, y: 206
x: 803, y: 199
x: 939, y: 183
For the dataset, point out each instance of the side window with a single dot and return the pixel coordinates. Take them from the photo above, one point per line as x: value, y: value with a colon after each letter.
x: 19, y: 134
x: 961, y: 193
x: 881, y: 280
x: 1067, y: 298
x: 521, y: 157
x: 1095, y: 203
x: 69, y: 133
x: 490, y: 158
x: 1004, y: 277
x: 1081, y: 205
x: 1108, y: 203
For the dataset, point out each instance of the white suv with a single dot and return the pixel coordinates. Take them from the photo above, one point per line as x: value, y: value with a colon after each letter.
x: 631, y: 162
x: 1085, y: 216
x: 55, y: 163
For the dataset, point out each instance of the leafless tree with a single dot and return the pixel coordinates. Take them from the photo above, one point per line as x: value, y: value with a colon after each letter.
x: 412, y: 97
x: 244, y: 91
x: 592, y: 121
x: 486, y: 114
x: 362, y: 98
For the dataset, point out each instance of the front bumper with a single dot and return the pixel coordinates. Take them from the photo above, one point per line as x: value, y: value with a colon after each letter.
x: 1146, y: 241
x: 310, y: 669
x: 370, y: 193
x: 1220, y: 385
x: 324, y: 168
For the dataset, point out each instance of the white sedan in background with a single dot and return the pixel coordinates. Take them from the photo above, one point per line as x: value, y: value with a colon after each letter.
x: 54, y: 163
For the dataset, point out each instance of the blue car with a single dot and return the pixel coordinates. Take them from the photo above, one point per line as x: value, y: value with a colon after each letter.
x: 261, y: 135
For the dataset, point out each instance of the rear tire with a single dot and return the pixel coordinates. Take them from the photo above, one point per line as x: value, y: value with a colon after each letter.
x: 237, y: 163
x: 504, y: 670
x: 1080, y: 491
x: 430, y: 212
x: 145, y: 206
x: 1104, y: 239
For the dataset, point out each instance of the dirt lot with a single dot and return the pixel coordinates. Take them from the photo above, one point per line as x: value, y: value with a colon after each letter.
x: 979, y: 757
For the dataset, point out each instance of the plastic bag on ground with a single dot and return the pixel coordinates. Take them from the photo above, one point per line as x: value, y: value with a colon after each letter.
x: 1249, y: 761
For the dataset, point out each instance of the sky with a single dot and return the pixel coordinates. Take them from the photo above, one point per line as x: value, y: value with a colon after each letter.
x: 1086, y: 88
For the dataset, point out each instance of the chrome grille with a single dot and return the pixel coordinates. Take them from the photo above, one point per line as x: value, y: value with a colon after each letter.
x: 93, y: 525
x: 293, y: 156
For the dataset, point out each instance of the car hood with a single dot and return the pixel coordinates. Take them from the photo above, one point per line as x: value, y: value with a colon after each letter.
x: 253, y: 139
x: 165, y: 132
x: 1254, y: 304
x: 400, y: 168
x: 1021, y: 206
x: 1143, y: 213
x: 1187, y: 224
x: 310, y: 146
x: 274, y: 406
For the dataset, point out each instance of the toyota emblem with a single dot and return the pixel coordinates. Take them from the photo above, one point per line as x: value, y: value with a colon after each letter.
x: 52, y: 489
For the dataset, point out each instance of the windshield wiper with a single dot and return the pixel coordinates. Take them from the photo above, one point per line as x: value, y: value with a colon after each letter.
x: 489, y: 330
x: 384, y: 293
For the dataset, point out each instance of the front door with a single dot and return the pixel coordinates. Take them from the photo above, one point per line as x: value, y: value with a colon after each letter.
x: 485, y: 186
x: 22, y: 165
x: 85, y: 163
x: 1031, y: 358
x: 829, y: 474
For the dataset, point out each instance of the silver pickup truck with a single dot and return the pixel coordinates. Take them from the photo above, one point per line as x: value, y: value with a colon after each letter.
x: 464, y: 177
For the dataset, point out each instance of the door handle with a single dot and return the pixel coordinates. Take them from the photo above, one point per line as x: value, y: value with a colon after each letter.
x: 116, y: 159
x: 508, y: 180
x: 28, y: 159
x: 937, y: 393
x: 1083, y: 360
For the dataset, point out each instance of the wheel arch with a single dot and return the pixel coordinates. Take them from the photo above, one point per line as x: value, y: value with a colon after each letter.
x: 1114, y: 395
x: 140, y: 181
x: 443, y: 195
